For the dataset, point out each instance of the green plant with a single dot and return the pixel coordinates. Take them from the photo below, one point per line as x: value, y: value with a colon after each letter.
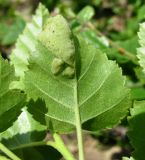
x: 60, y: 80
x: 136, y: 119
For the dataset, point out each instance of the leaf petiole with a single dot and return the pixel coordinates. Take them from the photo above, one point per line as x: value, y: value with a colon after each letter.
x: 78, y: 126
x: 60, y: 146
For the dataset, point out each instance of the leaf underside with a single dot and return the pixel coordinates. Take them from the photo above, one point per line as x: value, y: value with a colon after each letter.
x: 101, y: 95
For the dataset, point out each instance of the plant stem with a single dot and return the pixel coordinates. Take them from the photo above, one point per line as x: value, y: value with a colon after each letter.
x: 8, y: 152
x: 60, y: 146
x: 78, y: 125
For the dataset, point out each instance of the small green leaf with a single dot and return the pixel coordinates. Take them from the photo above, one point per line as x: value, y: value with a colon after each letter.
x: 96, y: 2
x: 26, y: 138
x: 129, y: 42
x: 24, y: 132
x: 136, y: 129
x: 11, y: 101
x: 140, y: 74
x: 85, y: 14
x: 141, y: 13
x: 138, y: 93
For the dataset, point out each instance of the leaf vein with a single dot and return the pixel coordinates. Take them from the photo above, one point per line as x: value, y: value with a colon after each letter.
x: 111, y: 107
x: 41, y: 90
x: 99, y: 87
x: 87, y: 68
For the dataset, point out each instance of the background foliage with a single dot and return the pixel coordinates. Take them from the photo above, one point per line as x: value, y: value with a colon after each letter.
x: 110, y: 26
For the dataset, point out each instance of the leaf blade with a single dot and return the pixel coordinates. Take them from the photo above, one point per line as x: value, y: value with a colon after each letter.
x: 136, y: 131
x: 62, y: 109
x: 26, y: 42
x: 24, y: 131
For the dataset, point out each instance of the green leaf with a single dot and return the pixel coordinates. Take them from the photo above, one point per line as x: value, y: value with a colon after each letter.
x: 85, y: 14
x: 23, y: 133
x: 26, y: 42
x: 4, y: 3
x: 11, y: 101
x: 136, y: 129
x: 89, y: 93
x: 138, y: 93
x: 96, y: 2
x: 38, y: 153
x: 141, y: 50
x: 113, y: 54
x: 129, y: 42
x: 141, y: 13
x: 12, y: 32
x: 25, y: 139
x: 3, y: 30
x: 92, y: 38
x: 140, y: 74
